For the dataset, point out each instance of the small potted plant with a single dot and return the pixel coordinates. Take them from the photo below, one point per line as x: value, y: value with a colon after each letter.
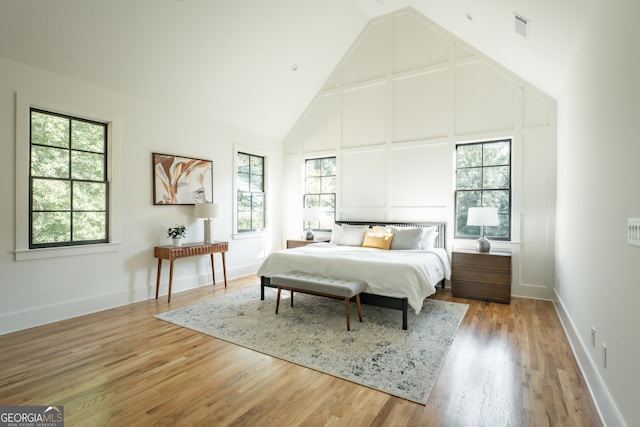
x: 177, y: 233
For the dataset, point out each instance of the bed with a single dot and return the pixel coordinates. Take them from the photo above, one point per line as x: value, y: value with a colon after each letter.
x: 397, y: 279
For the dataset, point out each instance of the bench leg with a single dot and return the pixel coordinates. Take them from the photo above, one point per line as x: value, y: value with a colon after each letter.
x: 359, y: 307
x: 347, y: 310
x: 291, y: 294
x: 405, y: 309
x: 278, y: 300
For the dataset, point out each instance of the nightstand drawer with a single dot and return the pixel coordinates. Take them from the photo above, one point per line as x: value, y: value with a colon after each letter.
x: 481, y: 275
x: 481, y: 260
x: 481, y: 291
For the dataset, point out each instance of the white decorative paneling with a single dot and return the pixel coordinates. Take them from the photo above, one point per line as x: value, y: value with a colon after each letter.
x: 421, y: 107
x: 419, y: 176
x: 406, y: 93
x: 420, y: 213
x: 363, y: 213
x: 293, y: 175
x: 332, y: 82
x: 368, y: 58
x: 364, y: 113
x: 462, y: 53
x: 533, y: 249
x: 484, y: 99
x: 535, y: 111
x: 321, y: 126
x: 363, y: 179
x: 416, y: 44
x: 535, y: 170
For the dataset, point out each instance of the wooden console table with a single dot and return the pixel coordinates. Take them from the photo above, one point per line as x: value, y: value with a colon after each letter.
x: 191, y: 249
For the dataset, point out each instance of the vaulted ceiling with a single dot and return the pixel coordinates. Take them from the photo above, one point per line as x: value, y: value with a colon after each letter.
x: 256, y: 64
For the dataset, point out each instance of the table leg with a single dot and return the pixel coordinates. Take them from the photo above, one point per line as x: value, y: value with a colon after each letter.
x: 213, y: 272
x: 170, y: 279
x: 224, y: 268
x: 158, y: 278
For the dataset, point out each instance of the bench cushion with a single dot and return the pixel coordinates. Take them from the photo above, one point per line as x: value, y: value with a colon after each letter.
x: 314, y: 283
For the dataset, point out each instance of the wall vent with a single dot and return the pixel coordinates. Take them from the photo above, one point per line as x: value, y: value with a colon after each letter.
x: 522, y: 25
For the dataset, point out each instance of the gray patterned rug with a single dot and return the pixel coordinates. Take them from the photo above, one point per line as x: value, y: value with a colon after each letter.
x: 377, y: 353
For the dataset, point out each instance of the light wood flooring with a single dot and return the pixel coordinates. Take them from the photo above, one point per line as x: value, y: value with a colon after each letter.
x: 509, y: 365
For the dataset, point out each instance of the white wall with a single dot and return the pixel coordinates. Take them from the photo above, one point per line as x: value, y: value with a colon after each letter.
x: 392, y: 113
x: 598, y: 176
x: 40, y: 291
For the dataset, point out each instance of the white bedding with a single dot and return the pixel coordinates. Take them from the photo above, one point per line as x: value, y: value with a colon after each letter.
x: 413, y: 274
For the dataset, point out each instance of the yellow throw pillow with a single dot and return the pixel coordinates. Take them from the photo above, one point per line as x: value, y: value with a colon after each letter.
x: 378, y: 241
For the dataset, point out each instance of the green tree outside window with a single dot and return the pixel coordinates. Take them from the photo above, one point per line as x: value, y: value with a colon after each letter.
x: 69, y: 190
x: 483, y: 179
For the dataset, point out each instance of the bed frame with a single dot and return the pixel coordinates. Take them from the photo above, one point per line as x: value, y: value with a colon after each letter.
x: 401, y: 304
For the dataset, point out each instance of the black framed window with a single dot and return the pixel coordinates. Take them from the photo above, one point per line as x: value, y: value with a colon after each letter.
x: 483, y: 179
x: 68, y: 185
x: 250, y: 184
x: 320, y: 191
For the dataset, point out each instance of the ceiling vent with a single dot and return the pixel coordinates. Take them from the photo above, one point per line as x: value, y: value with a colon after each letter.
x: 522, y: 25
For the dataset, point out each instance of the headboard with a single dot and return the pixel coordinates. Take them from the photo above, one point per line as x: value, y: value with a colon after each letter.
x: 441, y: 238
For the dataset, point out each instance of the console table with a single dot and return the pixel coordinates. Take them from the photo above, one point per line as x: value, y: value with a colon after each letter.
x: 190, y: 249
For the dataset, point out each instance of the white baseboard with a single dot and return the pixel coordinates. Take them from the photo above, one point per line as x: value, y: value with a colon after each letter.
x: 607, y: 408
x: 38, y: 316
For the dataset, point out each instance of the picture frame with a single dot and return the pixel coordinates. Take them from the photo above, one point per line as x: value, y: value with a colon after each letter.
x: 179, y: 180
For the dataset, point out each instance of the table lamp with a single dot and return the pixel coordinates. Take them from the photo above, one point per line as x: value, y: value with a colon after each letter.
x: 208, y: 211
x: 308, y: 215
x: 483, y: 217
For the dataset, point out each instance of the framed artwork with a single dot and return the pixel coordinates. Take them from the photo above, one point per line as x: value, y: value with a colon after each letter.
x: 181, y: 180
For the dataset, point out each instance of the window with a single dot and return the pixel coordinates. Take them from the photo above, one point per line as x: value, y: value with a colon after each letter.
x: 320, y: 191
x: 483, y: 179
x: 68, y: 186
x: 250, y: 185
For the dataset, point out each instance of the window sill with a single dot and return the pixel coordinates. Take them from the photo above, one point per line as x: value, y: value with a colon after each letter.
x: 251, y: 235
x: 46, y: 253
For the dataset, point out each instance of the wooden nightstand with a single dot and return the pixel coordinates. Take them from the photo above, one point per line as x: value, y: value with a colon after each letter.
x: 483, y: 276
x: 296, y: 243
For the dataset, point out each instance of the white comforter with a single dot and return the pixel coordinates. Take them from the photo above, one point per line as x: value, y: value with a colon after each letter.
x: 395, y: 273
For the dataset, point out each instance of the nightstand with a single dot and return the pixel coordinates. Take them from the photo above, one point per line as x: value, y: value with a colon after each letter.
x: 483, y: 276
x: 296, y: 243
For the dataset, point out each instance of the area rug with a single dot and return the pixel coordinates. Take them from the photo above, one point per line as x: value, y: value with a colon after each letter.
x: 376, y: 353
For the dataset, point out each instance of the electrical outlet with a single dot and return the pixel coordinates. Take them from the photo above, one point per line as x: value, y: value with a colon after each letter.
x: 604, y: 355
x: 593, y: 337
x: 633, y: 231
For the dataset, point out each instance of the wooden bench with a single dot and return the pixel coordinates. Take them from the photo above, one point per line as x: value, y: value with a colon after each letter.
x: 319, y: 285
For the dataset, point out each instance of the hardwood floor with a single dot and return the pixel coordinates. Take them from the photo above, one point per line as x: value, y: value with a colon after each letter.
x: 509, y: 365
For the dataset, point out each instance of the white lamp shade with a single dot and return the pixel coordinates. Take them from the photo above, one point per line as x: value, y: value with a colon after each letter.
x: 310, y: 214
x: 483, y: 216
x: 206, y: 210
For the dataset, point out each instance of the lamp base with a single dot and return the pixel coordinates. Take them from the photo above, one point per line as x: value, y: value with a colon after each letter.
x: 208, y: 231
x: 483, y: 245
x: 309, y: 235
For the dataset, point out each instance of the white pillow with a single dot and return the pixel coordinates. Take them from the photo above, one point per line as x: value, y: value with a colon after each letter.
x: 352, y: 235
x: 379, y: 229
x: 429, y: 237
x: 336, y: 230
x: 406, y: 238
